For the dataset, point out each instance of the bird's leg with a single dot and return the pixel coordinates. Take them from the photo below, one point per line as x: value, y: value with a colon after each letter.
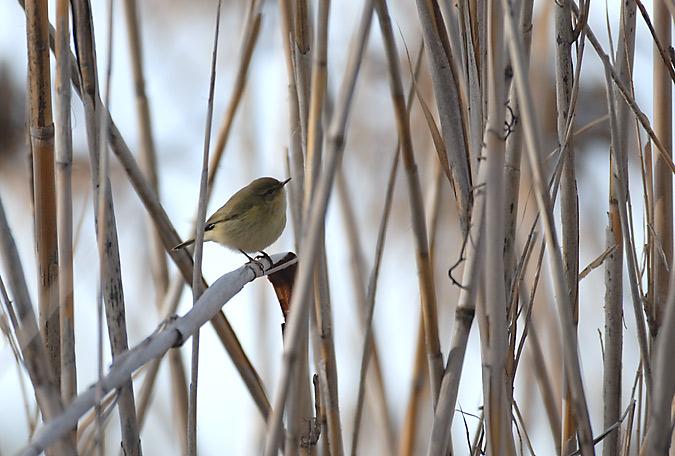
x: 255, y: 260
x: 250, y: 260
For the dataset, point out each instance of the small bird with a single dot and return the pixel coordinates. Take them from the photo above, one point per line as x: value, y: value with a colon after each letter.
x: 251, y: 220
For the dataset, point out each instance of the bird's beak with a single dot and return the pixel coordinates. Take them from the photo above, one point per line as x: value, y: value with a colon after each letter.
x: 285, y: 182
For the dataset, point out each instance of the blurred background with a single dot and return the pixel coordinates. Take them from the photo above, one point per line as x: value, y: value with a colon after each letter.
x: 177, y: 40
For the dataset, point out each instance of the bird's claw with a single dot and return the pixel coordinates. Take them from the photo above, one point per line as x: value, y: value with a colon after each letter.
x: 265, y: 256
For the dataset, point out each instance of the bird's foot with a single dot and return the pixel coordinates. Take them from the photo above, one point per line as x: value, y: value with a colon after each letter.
x: 257, y: 259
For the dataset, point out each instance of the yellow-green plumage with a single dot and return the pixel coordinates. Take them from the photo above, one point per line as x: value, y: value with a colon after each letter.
x: 251, y: 220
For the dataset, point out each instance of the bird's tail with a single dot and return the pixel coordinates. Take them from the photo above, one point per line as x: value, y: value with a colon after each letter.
x: 184, y: 244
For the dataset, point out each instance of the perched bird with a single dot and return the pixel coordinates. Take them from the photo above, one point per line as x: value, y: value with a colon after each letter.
x: 251, y: 220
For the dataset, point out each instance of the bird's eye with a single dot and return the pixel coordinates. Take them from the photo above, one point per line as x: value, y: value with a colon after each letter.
x: 270, y: 192
x: 209, y: 227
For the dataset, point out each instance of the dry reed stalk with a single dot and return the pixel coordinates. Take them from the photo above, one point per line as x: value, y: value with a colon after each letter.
x: 248, y: 374
x: 298, y: 406
x: 659, y: 430
x: 301, y: 53
x: 495, y: 398
x: 663, y: 52
x: 197, y: 280
x: 516, y: 293
x: 521, y: 421
x: 642, y: 406
x: 179, y: 393
x: 157, y: 254
x: 424, y: 267
x: 663, y: 179
x: 452, y: 18
x: 569, y: 203
x: 64, y: 207
x: 327, y: 366
x: 652, y: 442
x: 299, y: 411
x: 474, y: 91
x: 147, y: 153
x: 364, y: 310
x: 167, y: 308
x: 533, y: 141
x: 647, y: 170
x: 627, y: 95
x: 450, y: 102
x: 369, y: 295
x: 418, y: 387
x: 102, y: 128
x: 514, y: 145
x: 322, y: 321
x: 297, y: 160
x: 169, y: 334
x: 436, y: 136
x: 8, y: 321
x: 110, y: 273
x: 626, y: 440
x: 302, y: 426
x: 317, y: 102
x: 476, y: 445
x: 42, y: 146
x: 27, y: 334
x: 144, y: 395
x: 549, y: 398
x: 630, y: 253
x: 248, y: 44
x: 295, y: 27
x: 636, y: 390
x: 464, y: 313
x: 86, y: 432
x: 434, y: 187
x: 320, y: 414
x: 315, y: 227
x: 613, y: 341
x: 411, y: 425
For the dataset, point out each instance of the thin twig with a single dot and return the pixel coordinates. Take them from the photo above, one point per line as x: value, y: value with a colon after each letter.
x: 250, y: 39
x: 197, y: 287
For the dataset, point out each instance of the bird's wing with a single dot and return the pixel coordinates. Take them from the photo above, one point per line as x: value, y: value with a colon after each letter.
x: 230, y: 211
